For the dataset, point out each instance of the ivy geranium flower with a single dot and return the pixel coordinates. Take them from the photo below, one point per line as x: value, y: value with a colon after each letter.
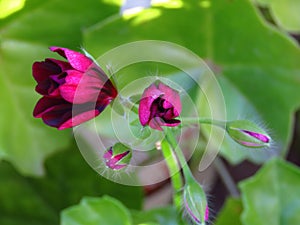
x: 159, y: 106
x: 73, y: 91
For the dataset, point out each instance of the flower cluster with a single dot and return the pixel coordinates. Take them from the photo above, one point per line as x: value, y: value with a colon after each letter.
x: 74, y: 91
x: 77, y: 90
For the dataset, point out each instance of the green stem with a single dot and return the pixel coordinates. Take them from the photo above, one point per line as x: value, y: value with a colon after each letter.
x: 128, y: 104
x: 191, y: 120
x: 226, y: 177
x: 173, y: 142
x: 174, y: 170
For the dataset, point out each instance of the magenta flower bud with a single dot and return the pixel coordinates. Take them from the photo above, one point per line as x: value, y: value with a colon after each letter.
x: 159, y: 106
x: 117, y: 157
x: 195, y: 203
x: 74, y: 91
x: 248, y: 134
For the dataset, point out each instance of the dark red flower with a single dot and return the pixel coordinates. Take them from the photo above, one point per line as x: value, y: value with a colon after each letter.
x: 74, y: 91
x: 159, y: 106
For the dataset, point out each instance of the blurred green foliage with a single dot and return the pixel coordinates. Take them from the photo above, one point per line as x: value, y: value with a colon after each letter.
x: 28, y: 200
x: 271, y: 195
x: 256, y: 64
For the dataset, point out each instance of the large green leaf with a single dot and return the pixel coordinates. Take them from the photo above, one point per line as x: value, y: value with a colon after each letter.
x: 230, y: 213
x: 94, y: 211
x: 108, y: 211
x: 257, y: 65
x: 285, y: 13
x: 163, y: 216
x: 38, y: 201
x: 24, y: 38
x: 272, y: 195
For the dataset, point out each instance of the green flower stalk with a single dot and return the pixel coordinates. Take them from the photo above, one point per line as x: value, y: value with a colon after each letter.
x: 195, y: 202
x: 193, y: 197
x: 248, y: 134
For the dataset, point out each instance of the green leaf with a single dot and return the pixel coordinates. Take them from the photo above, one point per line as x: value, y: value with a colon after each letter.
x: 272, y: 195
x: 94, y: 211
x: 259, y: 71
x: 38, y: 201
x: 107, y: 210
x: 24, y: 141
x: 285, y: 13
x: 230, y: 213
x: 24, y: 38
x: 162, y: 216
x: 54, y: 22
x: 8, y: 7
x: 138, y: 130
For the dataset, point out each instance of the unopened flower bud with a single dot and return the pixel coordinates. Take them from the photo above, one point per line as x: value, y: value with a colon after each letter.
x: 248, y: 134
x: 195, y: 202
x: 117, y: 157
x: 160, y: 105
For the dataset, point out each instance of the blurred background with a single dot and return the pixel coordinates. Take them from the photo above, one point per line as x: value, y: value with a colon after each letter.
x: 252, y: 47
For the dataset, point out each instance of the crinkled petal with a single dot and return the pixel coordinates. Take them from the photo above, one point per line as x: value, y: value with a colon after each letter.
x: 42, y: 70
x: 48, y: 88
x: 145, y: 110
x: 171, y: 123
x: 167, y: 105
x: 49, y: 75
x: 171, y: 96
x: 97, y: 78
x: 69, y: 88
x: 149, y: 96
x: 80, y: 87
x: 78, y: 60
x: 79, y: 119
x: 168, y: 115
x: 47, y: 104
x: 157, y: 122
x: 62, y: 114
x: 152, y: 91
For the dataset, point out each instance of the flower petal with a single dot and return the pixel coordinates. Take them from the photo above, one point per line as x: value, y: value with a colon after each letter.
x: 149, y: 96
x: 79, y: 119
x: 78, y: 60
x: 145, y: 110
x: 91, y: 86
x: 47, y: 104
x: 49, y: 75
x: 62, y: 114
x: 171, y: 96
x: 42, y: 70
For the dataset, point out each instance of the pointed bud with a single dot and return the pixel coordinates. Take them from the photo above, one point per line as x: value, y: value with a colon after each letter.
x: 117, y: 157
x: 195, y: 202
x: 248, y: 134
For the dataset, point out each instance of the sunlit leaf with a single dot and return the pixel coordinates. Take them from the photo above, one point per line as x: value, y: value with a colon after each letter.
x: 24, y: 38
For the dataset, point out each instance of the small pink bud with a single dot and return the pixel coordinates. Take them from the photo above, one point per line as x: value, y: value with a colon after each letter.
x: 117, y: 157
x: 248, y: 134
